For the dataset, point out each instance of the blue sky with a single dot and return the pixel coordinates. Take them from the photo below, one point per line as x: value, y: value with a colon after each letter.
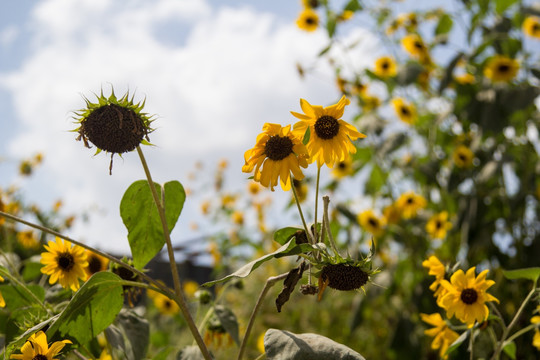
x: 213, y: 71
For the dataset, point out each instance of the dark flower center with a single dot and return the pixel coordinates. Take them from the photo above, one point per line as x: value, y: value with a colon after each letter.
x: 344, y: 277
x: 385, y: 65
x: 469, y: 296
x: 326, y: 127
x: 311, y: 20
x: 167, y: 304
x: 503, y: 68
x: 94, y: 264
x: 462, y: 157
x: 278, y: 147
x: 405, y: 111
x: 301, y: 237
x: 65, y: 261
x: 39, y: 357
x: 342, y: 165
x: 410, y: 201
x: 438, y: 224
x: 373, y: 222
x: 419, y: 45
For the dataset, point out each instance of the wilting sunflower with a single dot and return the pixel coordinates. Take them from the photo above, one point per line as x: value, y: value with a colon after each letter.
x: 64, y: 263
x: 405, y: 111
x: 501, y: 68
x: 385, y: 67
x: 409, y: 203
x: 308, y: 20
x: 442, y: 335
x: 113, y: 125
x: 36, y: 348
x: 438, y: 225
x: 277, y: 153
x: 463, y: 156
x: 329, y: 136
x: 531, y: 26
x: 371, y: 222
x: 467, y: 296
x: 96, y: 263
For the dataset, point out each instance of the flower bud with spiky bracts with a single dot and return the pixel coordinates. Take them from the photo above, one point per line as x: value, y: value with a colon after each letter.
x: 113, y: 125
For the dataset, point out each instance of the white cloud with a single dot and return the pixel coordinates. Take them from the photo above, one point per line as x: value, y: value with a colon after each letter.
x: 233, y: 71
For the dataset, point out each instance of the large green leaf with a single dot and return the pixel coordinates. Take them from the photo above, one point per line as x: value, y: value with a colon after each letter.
x: 528, y: 273
x: 140, y: 215
x: 283, y: 235
x: 92, y: 309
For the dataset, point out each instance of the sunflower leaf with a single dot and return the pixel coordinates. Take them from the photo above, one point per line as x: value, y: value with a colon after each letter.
x: 283, y: 235
x: 510, y: 350
x: 93, y: 308
x: 228, y: 321
x: 532, y: 273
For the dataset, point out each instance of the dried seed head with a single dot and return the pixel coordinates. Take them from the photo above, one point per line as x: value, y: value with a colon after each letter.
x: 344, y: 277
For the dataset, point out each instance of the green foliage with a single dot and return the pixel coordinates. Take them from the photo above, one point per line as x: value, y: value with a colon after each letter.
x: 141, y: 217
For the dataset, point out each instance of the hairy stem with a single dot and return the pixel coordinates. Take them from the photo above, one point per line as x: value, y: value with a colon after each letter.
x: 308, y: 231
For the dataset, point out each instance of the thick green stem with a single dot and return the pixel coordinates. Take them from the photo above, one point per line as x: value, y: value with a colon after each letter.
x: 269, y: 283
x: 180, y: 299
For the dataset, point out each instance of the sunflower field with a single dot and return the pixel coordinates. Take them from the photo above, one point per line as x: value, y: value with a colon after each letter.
x: 410, y: 230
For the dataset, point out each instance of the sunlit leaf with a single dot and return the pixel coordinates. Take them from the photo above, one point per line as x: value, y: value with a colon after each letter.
x: 445, y: 25
x: 283, y: 235
x: 510, y: 350
x: 532, y: 273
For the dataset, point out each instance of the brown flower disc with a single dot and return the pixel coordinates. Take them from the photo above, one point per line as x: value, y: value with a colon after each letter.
x: 344, y: 277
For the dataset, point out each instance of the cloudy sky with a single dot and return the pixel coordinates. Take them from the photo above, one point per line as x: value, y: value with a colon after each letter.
x: 213, y: 71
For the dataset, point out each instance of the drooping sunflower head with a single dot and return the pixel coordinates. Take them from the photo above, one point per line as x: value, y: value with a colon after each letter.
x: 113, y: 125
x: 531, y: 26
x: 438, y: 225
x: 385, y: 67
x: 463, y: 157
x: 467, y: 295
x: 64, y: 263
x: 343, y: 277
x: 277, y: 153
x: 131, y: 293
x: 501, y: 68
x: 406, y: 112
x: 330, y: 138
x: 308, y: 20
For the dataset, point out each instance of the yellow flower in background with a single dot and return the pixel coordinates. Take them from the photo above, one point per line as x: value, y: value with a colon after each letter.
x: 96, y: 263
x: 64, y: 263
x: 213, y: 249
x: 415, y: 46
x: 531, y: 26
x: 308, y: 20
x: 342, y: 169
x: 28, y: 239
x: 358, y: 88
x: 238, y: 217
x: 36, y: 348
x: 190, y: 287
x: 438, y: 225
x: 501, y: 68
x: 341, y: 84
x: 467, y: 296
x: 405, y: 111
x: 409, y: 203
x: 346, y: 15
x: 463, y: 156
x: 371, y: 222
x: 369, y: 102
x: 465, y: 79
x: 330, y: 138
x: 165, y: 305
x: 205, y: 207
x: 385, y: 67
x: 2, y: 301
x: 442, y: 335
x: 254, y: 187
x: 536, y: 338
x: 278, y: 152
x: 260, y: 343
x: 391, y: 214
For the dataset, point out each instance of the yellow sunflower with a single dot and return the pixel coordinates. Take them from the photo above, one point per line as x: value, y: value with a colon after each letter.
x: 329, y: 136
x: 254, y: 187
x: 536, y: 338
x: 467, y: 296
x: 2, y: 301
x: 28, y: 239
x: 308, y: 20
x: 501, y: 68
x: 369, y: 102
x: 164, y: 304
x: 385, y: 67
x: 415, y: 46
x: 342, y: 169
x: 463, y: 157
x: 437, y: 269
x: 442, y: 335
x: 438, y: 225
x: 371, y: 222
x: 96, y: 263
x: 531, y: 26
x: 36, y: 348
x: 391, y: 214
x: 64, y: 263
x: 409, y: 203
x: 465, y: 79
x: 405, y: 111
x: 277, y: 153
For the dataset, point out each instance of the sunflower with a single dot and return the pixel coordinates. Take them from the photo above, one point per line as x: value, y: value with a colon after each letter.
x: 36, y: 348
x: 254, y: 187
x: 467, y: 296
x: 113, y: 125
x: 442, y: 335
x: 277, y: 153
x: 531, y: 26
x: 437, y: 269
x: 64, y: 263
x: 501, y: 68
x: 371, y: 222
x: 165, y: 305
x: 405, y: 111
x: 308, y: 20
x: 329, y: 136
x: 438, y: 225
x: 385, y: 67
x: 369, y: 102
x: 463, y: 156
x: 190, y: 287
x: 28, y: 239
x: 536, y: 338
x: 409, y: 203
x: 391, y: 214
x: 96, y: 263
x: 415, y: 46
x: 465, y: 79
x: 342, y: 169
